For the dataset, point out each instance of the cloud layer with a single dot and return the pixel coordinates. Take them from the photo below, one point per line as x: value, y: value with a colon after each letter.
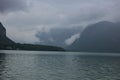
x: 12, y: 5
x: 32, y: 16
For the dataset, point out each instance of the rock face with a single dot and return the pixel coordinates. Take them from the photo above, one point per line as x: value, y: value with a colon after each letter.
x: 100, y: 37
x: 3, y: 37
x: 2, y: 31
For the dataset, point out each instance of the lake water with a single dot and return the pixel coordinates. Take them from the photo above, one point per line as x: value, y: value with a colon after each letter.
x: 36, y: 65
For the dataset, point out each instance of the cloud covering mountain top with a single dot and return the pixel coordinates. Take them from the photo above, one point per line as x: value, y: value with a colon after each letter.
x: 25, y: 18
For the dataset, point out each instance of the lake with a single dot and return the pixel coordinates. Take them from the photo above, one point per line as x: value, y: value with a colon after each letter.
x: 41, y: 65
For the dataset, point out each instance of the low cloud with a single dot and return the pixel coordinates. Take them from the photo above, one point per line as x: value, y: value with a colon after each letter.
x: 21, y: 36
x: 58, y: 36
x: 72, y: 39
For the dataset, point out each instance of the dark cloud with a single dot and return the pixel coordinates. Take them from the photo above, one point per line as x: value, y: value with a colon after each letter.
x: 12, y: 5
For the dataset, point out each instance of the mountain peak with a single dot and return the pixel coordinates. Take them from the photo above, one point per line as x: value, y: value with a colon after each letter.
x: 105, y: 22
x: 2, y: 27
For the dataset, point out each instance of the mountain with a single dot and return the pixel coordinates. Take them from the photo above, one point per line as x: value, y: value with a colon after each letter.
x: 3, y: 37
x: 100, y: 37
x: 8, y: 44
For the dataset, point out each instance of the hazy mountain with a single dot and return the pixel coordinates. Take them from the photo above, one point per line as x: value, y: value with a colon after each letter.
x: 100, y: 37
x: 57, y: 36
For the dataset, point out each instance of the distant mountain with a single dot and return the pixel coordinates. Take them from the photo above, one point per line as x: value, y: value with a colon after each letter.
x: 57, y: 36
x: 100, y: 37
x: 8, y: 44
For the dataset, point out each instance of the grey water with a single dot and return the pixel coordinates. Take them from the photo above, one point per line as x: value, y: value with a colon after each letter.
x: 39, y: 65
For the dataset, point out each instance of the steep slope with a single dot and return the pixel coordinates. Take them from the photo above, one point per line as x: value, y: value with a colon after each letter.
x: 100, y: 37
x: 3, y: 37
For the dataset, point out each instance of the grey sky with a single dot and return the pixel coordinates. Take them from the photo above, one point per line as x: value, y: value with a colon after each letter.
x: 24, y: 18
x: 12, y: 5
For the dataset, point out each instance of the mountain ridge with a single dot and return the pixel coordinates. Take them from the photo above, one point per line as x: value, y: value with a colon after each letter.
x: 99, y: 37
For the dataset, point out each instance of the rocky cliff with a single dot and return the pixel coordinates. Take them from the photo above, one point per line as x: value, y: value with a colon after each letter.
x: 2, y: 31
x: 3, y: 37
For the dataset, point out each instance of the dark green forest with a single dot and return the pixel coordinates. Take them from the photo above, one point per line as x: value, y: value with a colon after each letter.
x: 18, y: 46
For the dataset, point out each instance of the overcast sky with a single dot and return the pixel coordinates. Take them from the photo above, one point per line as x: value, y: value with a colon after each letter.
x: 24, y: 18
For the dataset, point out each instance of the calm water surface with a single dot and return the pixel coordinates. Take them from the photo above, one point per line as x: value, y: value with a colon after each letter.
x: 32, y: 65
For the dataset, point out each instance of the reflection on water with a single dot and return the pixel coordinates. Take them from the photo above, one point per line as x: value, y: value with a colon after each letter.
x: 58, y: 67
